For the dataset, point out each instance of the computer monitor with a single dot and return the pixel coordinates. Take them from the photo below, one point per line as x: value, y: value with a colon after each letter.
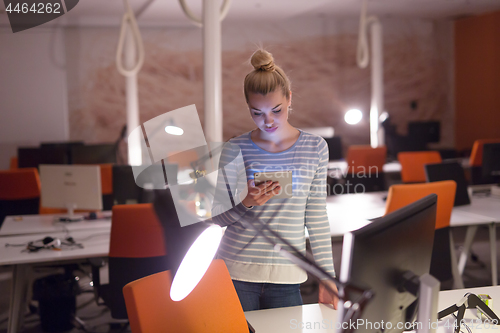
x: 491, y: 162
x: 93, y: 154
x: 127, y: 190
x: 450, y: 171
x: 29, y: 157
x: 424, y: 131
x: 378, y: 255
x: 71, y: 187
x: 57, y: 152
x: 334, y: 148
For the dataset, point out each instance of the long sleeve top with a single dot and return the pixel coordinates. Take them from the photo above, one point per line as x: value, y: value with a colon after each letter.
x: 248, y: 256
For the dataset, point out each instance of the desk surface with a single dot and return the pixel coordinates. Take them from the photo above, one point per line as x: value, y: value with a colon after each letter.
x: 95, y: 244
x: 296, y: 319
x: 36, y: 224
x: 350, y: 212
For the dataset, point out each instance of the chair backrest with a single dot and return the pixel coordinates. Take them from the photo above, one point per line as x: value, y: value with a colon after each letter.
x: 212, y: 307
x: 404, y: 194
x: 14, y: 163
x: 136, y: 250
x: 106, y: 178
x: 413, y: 162
x: 476, y: 155
x: 19, y: 184
x: 365, y: 159
x: 19, y: 192
x: 136, y: 232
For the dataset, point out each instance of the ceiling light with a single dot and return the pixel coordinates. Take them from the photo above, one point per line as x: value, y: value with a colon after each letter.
x: 353, y: 116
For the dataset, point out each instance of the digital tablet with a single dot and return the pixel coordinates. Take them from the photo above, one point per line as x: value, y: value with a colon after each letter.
x: 283, y: 177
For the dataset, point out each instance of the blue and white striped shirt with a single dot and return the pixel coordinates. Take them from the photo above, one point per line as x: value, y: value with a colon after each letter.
x: 248, y: 256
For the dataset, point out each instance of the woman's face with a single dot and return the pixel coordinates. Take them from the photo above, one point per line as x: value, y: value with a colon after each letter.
x: 269, y: 112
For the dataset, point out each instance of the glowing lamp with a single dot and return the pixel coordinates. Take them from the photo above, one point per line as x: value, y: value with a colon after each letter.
x: 353, y: 116
x: 190, y: 248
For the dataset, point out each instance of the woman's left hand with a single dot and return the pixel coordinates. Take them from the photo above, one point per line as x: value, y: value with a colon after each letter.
x: 325, y: 296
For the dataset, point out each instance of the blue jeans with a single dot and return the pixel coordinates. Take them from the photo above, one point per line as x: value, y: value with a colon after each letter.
x: 257, y: 296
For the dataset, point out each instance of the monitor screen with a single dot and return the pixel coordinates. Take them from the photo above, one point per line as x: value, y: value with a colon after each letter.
x: 57, y: 152
x: 424, y: 131
x: 71, y: 186
x: 128, y: 190
x: 93, y: 154
x: 29, y: 157
x: 378, y: 254
x: 334, y: 148
x: 450, y: 171
x: 491, y: 162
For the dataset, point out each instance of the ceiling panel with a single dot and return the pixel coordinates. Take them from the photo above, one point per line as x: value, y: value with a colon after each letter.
x: 169, y: 13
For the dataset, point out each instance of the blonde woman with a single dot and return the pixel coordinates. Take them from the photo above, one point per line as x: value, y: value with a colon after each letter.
x: 262, y: 278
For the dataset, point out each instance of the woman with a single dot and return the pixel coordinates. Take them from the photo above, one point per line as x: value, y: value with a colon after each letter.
x: 262, y: 278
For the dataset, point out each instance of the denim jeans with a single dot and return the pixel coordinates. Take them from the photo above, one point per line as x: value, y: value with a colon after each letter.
x: 257, y: 296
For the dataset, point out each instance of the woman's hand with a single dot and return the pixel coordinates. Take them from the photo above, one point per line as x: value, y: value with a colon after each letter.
x: 325, y: 296
x: 258, y: 195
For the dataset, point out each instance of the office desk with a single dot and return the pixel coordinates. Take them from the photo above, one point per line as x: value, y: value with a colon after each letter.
x: 36, y: 224
x: 350, y: 212
x: 291, y: 319
x: 95, y: 242
x: 488, y: 208
x: 339, y: 167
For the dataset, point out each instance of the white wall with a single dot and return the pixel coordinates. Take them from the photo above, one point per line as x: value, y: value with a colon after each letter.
x: 33, y: 92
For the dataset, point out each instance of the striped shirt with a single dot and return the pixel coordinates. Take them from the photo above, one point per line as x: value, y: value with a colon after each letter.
x: 248, y: 256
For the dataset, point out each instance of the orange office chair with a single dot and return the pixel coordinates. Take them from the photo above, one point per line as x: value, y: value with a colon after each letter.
x: 413, y: 162
x: 19, y: 192
x: 136, y: 250
x: 365, y: 167
x: 476, y: 161
x: 107, y: 186
x: 14, y: 163
x: 443, y: 263
x: 212, y: 307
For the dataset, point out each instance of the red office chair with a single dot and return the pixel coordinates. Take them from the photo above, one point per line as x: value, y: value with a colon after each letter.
x: 19, y: 192
x: 136, y: 250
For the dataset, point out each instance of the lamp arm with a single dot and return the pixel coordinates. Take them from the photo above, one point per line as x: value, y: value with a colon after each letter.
x: 354, y: 309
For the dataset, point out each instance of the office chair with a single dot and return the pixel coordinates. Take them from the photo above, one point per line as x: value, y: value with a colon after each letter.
x: 476, y: 161
x: 213, y: 306
x: 14, y: 163
x: 365, y: 168
x: 412, y: 165
x: 107, y: 186
x: 136, y: 250
x: 19, y: 192
x: 443, y: 262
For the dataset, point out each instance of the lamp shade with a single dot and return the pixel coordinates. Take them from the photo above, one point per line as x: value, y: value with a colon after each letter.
x: 190, y: 248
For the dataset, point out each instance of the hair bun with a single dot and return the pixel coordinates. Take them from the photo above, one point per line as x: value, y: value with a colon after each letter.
x: 262, y: 60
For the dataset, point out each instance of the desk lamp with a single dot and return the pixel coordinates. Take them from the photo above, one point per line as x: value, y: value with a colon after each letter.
x: 190, y: 249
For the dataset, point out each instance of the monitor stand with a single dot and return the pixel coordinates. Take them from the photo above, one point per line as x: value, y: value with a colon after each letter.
x: 428, y: 304
x: 495, y: 190
x: 70, y: 217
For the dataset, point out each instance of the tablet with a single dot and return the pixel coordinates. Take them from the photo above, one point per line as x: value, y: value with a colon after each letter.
x: 283, y: 177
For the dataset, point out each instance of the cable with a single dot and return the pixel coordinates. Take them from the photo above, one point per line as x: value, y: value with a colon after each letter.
x: 128, y: 19
x: 198, y: 21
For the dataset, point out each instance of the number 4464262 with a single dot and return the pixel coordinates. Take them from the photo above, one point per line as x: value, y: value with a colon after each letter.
x: 36, y: 8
